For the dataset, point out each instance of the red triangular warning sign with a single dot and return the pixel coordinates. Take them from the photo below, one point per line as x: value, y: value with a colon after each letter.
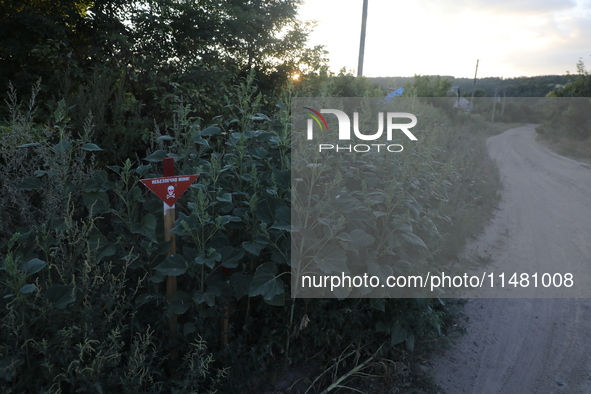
x: 170, y: 188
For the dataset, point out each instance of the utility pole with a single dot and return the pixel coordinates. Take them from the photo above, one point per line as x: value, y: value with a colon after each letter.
x: 473, y: 86
x: 362, y: 41
x: 494, y: 105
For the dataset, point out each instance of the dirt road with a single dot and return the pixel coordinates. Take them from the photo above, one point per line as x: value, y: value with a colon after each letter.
x: 530, y: 344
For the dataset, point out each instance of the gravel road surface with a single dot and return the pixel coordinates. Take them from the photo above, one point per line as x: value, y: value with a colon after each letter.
x: 534, y: 339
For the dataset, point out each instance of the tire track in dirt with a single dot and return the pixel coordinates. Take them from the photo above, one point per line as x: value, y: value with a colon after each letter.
x: 529, y: 345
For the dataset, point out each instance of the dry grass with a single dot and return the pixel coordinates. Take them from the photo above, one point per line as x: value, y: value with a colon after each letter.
x: 578, y: 150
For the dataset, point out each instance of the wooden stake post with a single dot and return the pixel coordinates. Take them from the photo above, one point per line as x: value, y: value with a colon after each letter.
x: 169, y: 218
x: 169, y: 189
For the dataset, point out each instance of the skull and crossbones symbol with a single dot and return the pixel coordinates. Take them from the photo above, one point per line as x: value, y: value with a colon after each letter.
x: 170, y: 192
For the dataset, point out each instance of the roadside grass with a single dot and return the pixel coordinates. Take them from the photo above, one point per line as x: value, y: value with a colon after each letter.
x: 477, y: 185
x: 564, y: 146
x: 470, y: 205
x: 344, y: 349
x: 475, y: 196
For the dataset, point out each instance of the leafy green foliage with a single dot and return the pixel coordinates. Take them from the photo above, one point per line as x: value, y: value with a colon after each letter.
x: 128, y: 63
x: 579, y: 85
x: 427, y: 86
x: 343, y: 84
x: 565, y: 115
x: 538, y: 86
x: 84, y: 261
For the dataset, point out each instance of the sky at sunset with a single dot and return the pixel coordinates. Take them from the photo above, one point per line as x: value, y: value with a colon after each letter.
x: 511, y: 38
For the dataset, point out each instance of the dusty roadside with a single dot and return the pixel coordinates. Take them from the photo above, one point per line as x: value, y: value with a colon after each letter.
x: 529, y: 344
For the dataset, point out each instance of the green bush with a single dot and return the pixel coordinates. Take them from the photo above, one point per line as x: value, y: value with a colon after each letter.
x: 83, y: 259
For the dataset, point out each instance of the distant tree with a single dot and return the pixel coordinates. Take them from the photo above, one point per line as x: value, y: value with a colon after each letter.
x: 40, y: 39
x: 65, y: 41
x: 345, y: 84
x: 569, y: 118
x: 129, y: 63
x: 579, y: 85
x: 428, y: 86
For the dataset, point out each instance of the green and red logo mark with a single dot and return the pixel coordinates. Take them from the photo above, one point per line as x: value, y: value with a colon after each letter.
x: 318, y: 118
x: 387, y: 124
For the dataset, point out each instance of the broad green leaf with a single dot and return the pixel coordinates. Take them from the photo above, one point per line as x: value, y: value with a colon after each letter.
x: 26, y: 236
x: 331, y: 259
x: 30, y: 145
x: 404, y: 227
x: 96, y: 202
x: 201, y: 141
x: 260, y: 116
x: 381, y: 326
x: 254, y: 247
x: 99, y: 182
x: 62, y: 147
x: 164, y: 138
x: 413, y: 207
x: 142, y: 299
x: 158, y: 277
x: 177, y: 157
x: 231, y: 256
x: 143, y: 170
x: 437, y: 327
x: 344, y: 237
x: 381, y: 271
x: 106, y: 252
x: 226, y: 197
x: 97, y: 241
x: 211, y: 130
x: 116, y: 169
x: 60, y: 295
x: 189, y: 253
x: 378, y: 304
x: 282, y: 219
x: 135, y: 193
x: 147, y: 227
x: 163, y: 247
x: 28, y: 288
x: 378, y: 214
x: 282, y: 178
x: 157, y: 156
x: 180, y: 303
x: 90, y: 147
x: 208, y: 260
x: 265, y: 282
x: 341, y: 292
x: 398, y: 335
x: 360, y: 239
x: 208, y: 296
x: 278, y: 300
x: 29, y: 184
x: 258, y: 153
x: 33, y: 266
x: 225, y: 219
x: 174, y: 265
x: 414, y: 239
x: 410, y: 342
x: 190, y: 222
x: 189, y: 328
x: 241, y: 284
